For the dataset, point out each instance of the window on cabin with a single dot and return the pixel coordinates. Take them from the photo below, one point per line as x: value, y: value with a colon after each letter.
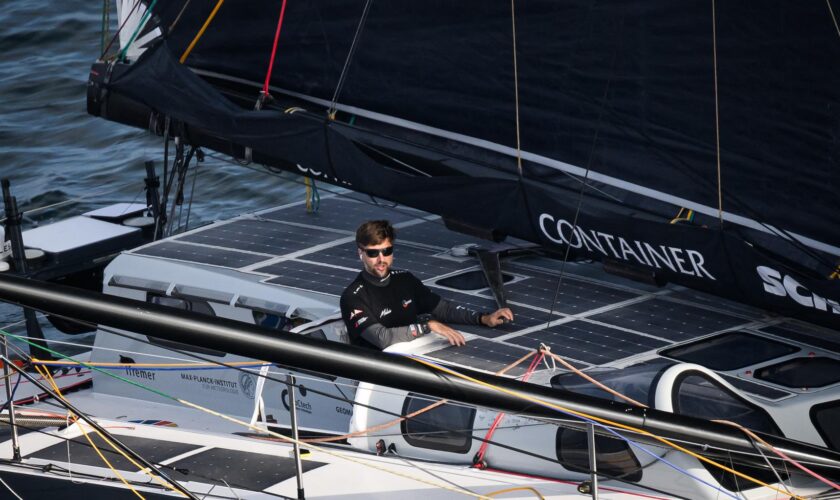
x: 825, y: 417
x: 198, y: 306
x: 698, y: 396
x: 613, y: 455
x: 446, y: 428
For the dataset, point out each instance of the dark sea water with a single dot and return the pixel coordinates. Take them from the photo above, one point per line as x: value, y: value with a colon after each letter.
x: 53, y: 152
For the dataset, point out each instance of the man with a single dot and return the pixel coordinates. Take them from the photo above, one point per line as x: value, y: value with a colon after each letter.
x: 384, y: 306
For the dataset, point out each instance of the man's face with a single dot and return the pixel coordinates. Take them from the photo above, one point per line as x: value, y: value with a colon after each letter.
x: 379, y: 265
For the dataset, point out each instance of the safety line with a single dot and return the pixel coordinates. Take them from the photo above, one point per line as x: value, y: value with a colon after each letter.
x: 184, y: 402
x: 49, y: 379
x: 605, y: 423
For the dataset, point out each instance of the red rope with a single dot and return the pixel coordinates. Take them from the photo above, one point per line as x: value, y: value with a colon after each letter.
x: 274, y: 49
x: 478, y: 461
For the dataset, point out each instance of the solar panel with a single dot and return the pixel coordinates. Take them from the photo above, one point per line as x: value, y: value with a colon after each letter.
x: 588, y: 342
x: 84, y: 454
x: 435, y: 234
x: 312, y: 277
x: 524, y: 317
x: 340, y: 213
x: 239, y: 469
x: 669, y: 320
x: 572, y: 297
x: 483, y: 355
x: 822, y: 338
x: 260, y: 236
x: 202, y: 255
x: 421, y: 263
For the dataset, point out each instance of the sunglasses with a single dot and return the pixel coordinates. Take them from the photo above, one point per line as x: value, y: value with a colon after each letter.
x: 372, y: 253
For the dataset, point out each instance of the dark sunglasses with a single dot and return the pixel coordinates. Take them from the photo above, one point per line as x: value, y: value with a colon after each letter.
x: 372, y: 253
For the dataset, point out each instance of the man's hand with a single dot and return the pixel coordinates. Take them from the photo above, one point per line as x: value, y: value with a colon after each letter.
x: 503, y: 315
x: 453, y: 336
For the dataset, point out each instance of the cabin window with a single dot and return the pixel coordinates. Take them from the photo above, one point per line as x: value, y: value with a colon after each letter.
x: 802, y: 373
x: 613, y: 455
x: 730, y: 351
x: 198, y: 306
x: 697, y: 395
x: 446, y: 428
x: 825, y: 417
x: 272, y: 321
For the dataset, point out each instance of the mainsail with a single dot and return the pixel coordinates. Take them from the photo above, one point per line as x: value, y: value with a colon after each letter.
x: 576, y: 125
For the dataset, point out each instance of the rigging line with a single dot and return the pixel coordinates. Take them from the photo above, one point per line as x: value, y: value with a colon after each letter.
x: 831, y: 11
x: 274, y: 48
x: 717, y: 115
x: 583, y: 185
x: 350, y: 53
x: 178, y: 18
x: 201, y: 31
x: 586, y: 377
x: 516, y: 89
x: 284, y: 382
x: 755, y: 437
x: 106, y: 19
x: 95, y: 448
x: 9, y: 487
x: 192, y: 191
x: 119, y: 30
x: 605, y: 424
x: 140, y: 26
x: 288, y: 439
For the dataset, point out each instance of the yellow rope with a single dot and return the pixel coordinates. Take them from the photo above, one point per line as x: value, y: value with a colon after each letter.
x: 201, y: 31
x: 308, y: 183
x: 142, y: 469
x: 518, y: 488
x: 365, y: 463
x: 605, y: 422
x: 48, y: 377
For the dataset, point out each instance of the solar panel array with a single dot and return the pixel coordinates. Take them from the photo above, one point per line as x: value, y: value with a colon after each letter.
x: 586, y: 317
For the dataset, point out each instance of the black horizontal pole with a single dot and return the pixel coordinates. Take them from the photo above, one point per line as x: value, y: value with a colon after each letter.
x: 389, y: 370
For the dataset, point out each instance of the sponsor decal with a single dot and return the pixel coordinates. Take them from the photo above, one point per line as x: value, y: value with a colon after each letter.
x: 676, y: 259
x: 384, y: 312
x: 784, y: 285
x: 355, y: 312
x: 406, y: 303
x: 361, y: 320
x: 248, y: 384
x: 212, y: 384
x: 300, y: 404
x: 137, y: 373
x: 342, y: 410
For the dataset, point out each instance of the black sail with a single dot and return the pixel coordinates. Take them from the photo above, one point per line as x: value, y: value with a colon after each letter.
x: 631, y: 108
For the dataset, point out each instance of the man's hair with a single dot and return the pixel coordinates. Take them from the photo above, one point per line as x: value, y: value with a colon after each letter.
x: 374, y: 232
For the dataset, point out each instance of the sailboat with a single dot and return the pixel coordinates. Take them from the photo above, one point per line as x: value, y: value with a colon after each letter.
x: 541, y: 155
